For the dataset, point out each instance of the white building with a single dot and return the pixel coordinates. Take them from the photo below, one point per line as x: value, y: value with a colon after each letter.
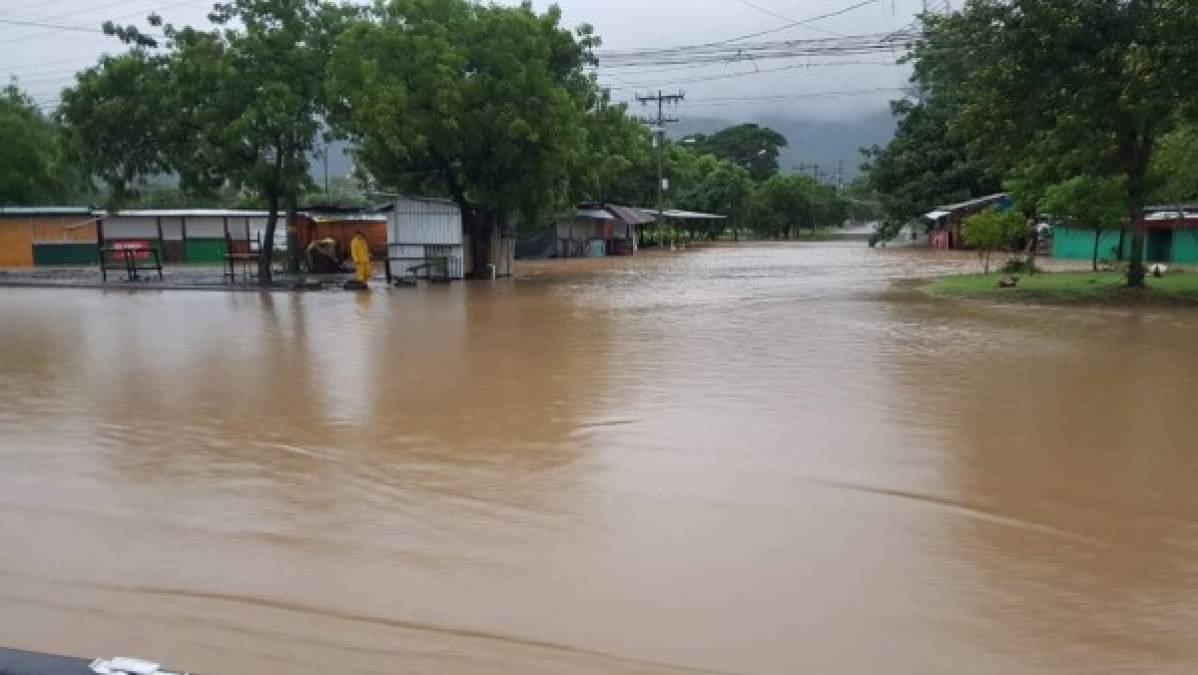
x: 424, y: 232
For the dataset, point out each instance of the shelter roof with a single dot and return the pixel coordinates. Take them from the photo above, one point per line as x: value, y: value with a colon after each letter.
x: 45, y: 211
x: 630, y: 215
x: 188, y: 213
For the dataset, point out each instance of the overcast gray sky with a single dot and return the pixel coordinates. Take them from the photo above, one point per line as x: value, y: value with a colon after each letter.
x: 45, y: 57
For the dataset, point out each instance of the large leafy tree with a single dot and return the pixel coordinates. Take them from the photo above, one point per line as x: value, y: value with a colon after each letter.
x: 484, y: 104
x: 1175, y: 165
x: 926, y: 163
x: 32, y: 167
x: 785, y: 204
x: 750, y: 146
x: 1104, y: 76
x: 616, y: 163
x: 238, y: 105
x: 720, y: 187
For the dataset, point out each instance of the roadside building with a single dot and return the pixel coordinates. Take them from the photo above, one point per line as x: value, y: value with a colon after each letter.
x: 1170, y: 236
x: 944, y: 223
x: 329, y: 221
x: 47, y: 235
x: 188, y: 235
x: 425, y: 238
x: 596, y: 230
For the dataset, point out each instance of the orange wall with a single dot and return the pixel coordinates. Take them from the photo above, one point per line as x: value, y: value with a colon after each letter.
x: 17, y: 234
x: 308, y: 231
x: 64, y: 228
x: 16, y: 241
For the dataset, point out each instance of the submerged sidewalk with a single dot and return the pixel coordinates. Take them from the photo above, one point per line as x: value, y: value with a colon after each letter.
x: 174, y: 278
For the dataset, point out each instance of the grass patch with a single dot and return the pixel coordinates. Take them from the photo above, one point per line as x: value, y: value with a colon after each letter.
x: 1177, y: 287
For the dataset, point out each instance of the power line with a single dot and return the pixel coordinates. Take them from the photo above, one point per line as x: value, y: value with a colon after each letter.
x: 790, y: 22
x: 852, y: 45
x: 618, y: 86
x: 740, y: 100
x: 803, y: 22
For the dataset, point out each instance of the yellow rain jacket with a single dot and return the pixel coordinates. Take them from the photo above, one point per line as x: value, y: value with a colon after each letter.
x: 359, y: 252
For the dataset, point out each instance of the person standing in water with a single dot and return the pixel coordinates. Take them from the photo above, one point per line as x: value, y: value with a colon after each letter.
x: 359, y: 252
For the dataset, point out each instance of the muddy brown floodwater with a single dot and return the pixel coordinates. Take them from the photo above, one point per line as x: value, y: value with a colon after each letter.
x: 746, y: 460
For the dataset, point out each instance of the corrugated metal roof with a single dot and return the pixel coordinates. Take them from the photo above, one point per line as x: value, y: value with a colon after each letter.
x: 631, y: 215
x: 347, y: 217
x: 193, y: 213
x: 594, y: 214
x: 686, y: 215
x: 45, y: 211
x: 980, y: 201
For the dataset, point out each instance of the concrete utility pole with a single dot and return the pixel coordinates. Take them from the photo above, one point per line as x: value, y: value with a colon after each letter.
x: 840, y: 176
x: 659, y: 131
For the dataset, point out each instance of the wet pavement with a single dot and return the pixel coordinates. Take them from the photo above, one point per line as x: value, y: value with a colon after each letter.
x: 754, y: 459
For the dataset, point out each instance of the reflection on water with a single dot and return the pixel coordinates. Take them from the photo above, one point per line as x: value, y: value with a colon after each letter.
x: 758, y: 459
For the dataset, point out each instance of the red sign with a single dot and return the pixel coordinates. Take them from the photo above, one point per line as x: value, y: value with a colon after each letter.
x: 140, y: 247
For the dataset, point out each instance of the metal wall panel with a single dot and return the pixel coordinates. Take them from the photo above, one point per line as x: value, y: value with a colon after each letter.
x: 417, y: 221
x: 130, y: 227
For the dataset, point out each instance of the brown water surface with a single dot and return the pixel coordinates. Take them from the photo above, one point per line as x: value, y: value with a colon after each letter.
x: 753, y: 460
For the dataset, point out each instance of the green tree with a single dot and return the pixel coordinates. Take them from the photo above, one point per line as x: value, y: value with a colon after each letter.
x: 990, y: 231
x: 1104, y: 77
x: 485, y: 104
x: 750, y: 146
x: 617, y: 164
x: 33, y: 169
x: 1088, y: 202
x: 785, y: 204
x: 1175, y: 166
x: 926, y: 164
x: 237, y: 107
x: 722, y: 188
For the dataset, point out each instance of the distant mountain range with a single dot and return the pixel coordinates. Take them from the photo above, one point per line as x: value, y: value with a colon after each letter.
x: 812, y: 141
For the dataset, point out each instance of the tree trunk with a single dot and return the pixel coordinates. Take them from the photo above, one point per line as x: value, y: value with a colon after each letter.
x: 1094, y: 262
x: 268, y: 242
x: 1033, y: 245
x: 293, y: 258
x: 1135, y: 270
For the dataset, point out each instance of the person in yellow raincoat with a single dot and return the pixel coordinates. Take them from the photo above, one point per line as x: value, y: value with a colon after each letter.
x: 359, y: 252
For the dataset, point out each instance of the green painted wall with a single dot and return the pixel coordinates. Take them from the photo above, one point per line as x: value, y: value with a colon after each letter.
x: 74, y: 253
x: 204, y: 251
x: 1078, y: 244
x: 1185, y: 246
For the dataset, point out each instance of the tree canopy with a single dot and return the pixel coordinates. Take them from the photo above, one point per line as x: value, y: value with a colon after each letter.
x: 33, y: 168
x: 237, y: 106
x: 925, y: 164
x: 750, y: 146
x: 785, y: 204
x: 1101, y: 79
x: 485, y: 104
x: 992, y: 230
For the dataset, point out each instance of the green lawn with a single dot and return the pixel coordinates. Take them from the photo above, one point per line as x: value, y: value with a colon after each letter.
x: 1177, y: 287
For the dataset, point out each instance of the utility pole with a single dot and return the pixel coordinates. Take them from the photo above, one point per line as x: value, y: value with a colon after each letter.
x: 840, y: 176
x: 659, y: 131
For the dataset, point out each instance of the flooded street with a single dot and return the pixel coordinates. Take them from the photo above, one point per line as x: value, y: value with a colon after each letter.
x: 760, y: 459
